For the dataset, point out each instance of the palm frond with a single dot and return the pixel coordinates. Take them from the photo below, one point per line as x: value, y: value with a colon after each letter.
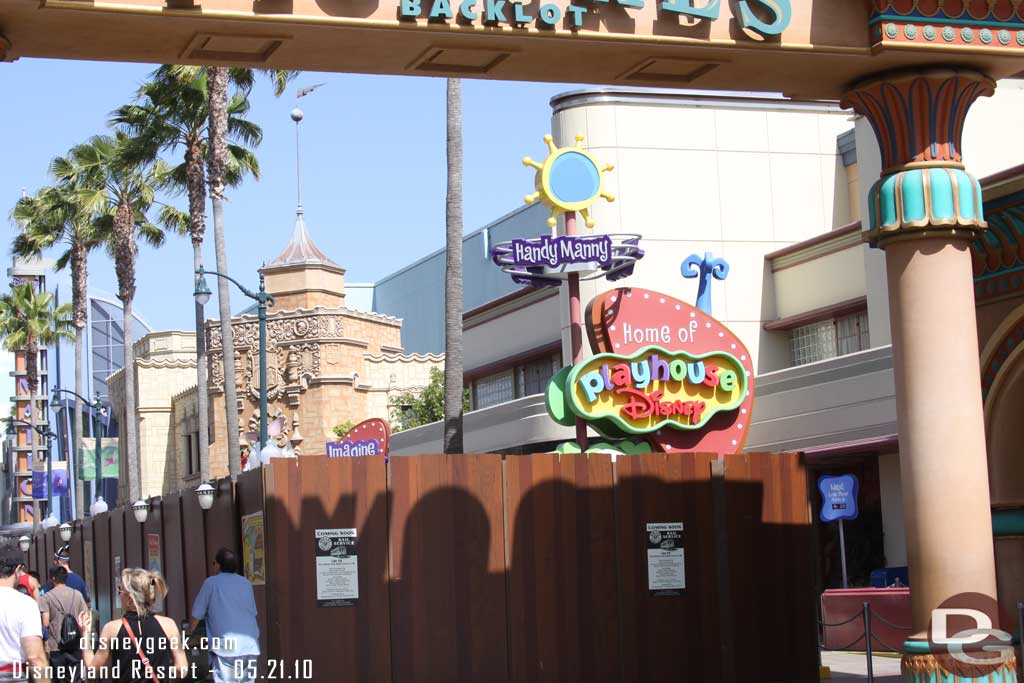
x: 173, y: 219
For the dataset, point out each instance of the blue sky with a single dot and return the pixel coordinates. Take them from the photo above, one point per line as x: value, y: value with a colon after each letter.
x: 373, y: 162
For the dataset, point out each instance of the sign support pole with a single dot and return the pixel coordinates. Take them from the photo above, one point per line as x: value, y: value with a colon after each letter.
x: 576, y: 327
x: 842, y: 552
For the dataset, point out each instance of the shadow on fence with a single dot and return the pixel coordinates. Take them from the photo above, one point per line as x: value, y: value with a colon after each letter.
x: 506, y: 568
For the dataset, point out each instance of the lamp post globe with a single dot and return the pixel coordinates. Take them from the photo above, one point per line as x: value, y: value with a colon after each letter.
x: 49, y: 521
x: 202, y: 292
x: 65, y: 531
x: 24, y: 543
x: 270, y: 451
x: 206, y: 493
x: 98, y: 507
x: 140, y: 509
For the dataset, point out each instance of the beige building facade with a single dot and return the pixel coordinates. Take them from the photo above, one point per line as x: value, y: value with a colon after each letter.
x: 165, y: 365
x: 326, y: 365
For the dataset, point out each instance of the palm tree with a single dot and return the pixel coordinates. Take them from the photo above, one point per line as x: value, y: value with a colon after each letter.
x: 30, y: 321
x: 218, y: 78
x: 122, y: 191
x: 58, y: 214
x: 453, y: 381
x: 173, y: 111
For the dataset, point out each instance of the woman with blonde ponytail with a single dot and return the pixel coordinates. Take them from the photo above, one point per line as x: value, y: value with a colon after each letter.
x: 141, y: 647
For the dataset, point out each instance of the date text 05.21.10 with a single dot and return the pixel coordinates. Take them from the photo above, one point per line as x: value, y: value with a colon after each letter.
x: 276, y: 670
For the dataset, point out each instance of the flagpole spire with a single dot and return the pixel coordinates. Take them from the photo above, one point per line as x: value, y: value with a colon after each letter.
x: 297, y: 116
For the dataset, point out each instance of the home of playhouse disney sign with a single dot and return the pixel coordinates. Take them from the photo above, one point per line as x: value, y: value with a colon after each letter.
x: 770, y: 18
x: 655, y: 388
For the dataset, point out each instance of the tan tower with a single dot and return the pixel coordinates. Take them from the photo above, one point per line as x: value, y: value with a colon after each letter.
x: 302, y: 277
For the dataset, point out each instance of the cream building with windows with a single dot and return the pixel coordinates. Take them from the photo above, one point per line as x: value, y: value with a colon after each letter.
x: 775, y: 188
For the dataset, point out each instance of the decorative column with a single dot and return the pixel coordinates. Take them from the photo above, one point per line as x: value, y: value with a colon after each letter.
x: 924, y: 211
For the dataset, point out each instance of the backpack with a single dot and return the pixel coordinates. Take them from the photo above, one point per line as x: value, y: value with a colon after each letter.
x: 70, y: 636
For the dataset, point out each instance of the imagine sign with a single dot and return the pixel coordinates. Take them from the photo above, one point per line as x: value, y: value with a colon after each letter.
x: 655, y: 388
x: 369, y: 437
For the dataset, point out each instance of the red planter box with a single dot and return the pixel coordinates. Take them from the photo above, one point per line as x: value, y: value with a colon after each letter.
x: 890, y: 604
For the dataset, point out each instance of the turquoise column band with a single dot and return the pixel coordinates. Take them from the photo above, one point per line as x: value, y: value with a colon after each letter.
x: 1007, y: 523
x: 926, y: 198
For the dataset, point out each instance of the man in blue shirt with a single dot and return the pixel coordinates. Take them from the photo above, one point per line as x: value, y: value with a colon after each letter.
x: 227, y: 603
x: 61, y: 558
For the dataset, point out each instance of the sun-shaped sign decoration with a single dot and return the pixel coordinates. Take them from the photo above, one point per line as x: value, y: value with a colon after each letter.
x: 568, y: 180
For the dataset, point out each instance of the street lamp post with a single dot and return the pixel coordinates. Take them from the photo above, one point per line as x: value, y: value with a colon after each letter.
x: 202, y: 295
x: 97, y: 409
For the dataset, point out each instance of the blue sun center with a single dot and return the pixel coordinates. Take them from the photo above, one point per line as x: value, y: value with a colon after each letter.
x: 574, y: 178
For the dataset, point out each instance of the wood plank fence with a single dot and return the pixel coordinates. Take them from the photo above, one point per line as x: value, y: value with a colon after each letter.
x: 500, y: 568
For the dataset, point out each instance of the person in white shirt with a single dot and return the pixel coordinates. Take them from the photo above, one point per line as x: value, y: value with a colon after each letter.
x: 22, y: 656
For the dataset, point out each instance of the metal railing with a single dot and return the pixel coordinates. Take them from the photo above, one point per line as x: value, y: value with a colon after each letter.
x: 866, y: 635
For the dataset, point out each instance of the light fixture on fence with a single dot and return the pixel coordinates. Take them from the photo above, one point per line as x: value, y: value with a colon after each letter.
x: 206, y: 494
x: 140, y: 508
x: 98, y: 507
x: 49, y: 521
x: 65, y: 531
x: 24, y: 543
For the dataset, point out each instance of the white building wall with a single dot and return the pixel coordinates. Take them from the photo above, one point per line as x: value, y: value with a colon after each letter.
x: 513, y: 333
x: 735, y: 178
x: 892, y: 510
x: 837, y: 277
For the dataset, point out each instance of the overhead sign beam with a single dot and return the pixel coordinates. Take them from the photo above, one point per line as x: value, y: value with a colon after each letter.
x: 804, y: 48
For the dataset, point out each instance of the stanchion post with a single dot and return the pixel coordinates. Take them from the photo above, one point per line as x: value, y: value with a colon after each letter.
x: 867, y: 641
x: 1020, y: 634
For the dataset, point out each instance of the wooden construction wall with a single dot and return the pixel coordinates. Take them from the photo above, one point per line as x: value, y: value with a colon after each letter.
x: 183, y: 536
x: 534, y: 568
x: 503, y: 568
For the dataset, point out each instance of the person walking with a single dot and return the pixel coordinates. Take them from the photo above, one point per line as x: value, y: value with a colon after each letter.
x: 141, y: 647
x: 62, y: 558
x: 227, y: 602
x: 22, y: 656
x: 63, y: 642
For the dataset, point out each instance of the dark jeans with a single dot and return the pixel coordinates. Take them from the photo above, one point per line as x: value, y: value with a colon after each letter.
x: 63, y: 663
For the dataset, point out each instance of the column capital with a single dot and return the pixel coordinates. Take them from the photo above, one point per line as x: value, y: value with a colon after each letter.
x: 918, y: 118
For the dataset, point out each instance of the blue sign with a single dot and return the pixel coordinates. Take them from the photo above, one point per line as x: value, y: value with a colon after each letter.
x: 838, y: 497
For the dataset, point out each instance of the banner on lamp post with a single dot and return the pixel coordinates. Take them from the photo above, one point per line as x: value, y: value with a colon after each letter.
x: 58, y: 480
x: 108, y: 458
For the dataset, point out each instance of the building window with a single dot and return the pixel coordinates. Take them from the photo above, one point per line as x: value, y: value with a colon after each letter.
x: 192, y: 452
x: 534, y: 376
x: 829, y: 338
x: 107, y: 343
x: 523, y: 379
x: 494, y: 389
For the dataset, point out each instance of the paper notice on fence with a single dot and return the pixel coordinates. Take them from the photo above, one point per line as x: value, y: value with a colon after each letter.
x: 666, y: 566
x: 253, y: 549
x: 337, y: 568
